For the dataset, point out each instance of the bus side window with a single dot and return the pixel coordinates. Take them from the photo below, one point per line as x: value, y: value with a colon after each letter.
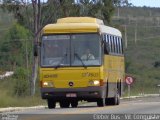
x: 104, y: 40
x: 112, y: 44
x: 115, y: 45
x: 120, y: 45
x: 104, y: 37
x: 109, y: 42
x: 107, y: 48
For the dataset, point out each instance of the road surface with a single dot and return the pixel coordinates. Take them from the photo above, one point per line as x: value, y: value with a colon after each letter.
x: 148, y: 105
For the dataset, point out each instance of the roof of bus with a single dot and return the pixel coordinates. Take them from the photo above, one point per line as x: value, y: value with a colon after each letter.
x: 110, y: 30
x: 70, y: 28
x: 79, y: 25
x: 80, y: 20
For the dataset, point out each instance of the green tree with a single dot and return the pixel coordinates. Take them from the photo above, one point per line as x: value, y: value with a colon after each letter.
x: 121, y: 3
x: 14, y: 46
x: 102, y: 9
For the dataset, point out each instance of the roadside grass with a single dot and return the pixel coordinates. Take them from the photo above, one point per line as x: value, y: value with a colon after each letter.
x: 139, y: 92
x: 8, y: 99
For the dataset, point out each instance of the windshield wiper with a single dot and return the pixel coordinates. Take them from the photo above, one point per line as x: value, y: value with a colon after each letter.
x: 75, y: 54
x: 62, y: 59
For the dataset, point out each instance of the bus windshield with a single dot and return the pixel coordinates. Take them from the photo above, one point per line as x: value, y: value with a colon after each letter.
x: 71, y: 50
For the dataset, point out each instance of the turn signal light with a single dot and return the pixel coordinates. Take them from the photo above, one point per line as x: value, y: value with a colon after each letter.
x: 101, y: 82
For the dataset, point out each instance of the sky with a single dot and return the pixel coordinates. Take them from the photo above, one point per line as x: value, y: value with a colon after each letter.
x: 148, y: 3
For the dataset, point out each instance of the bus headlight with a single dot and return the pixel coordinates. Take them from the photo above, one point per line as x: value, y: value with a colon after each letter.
x: 47, y: 84
x: 94, y: 82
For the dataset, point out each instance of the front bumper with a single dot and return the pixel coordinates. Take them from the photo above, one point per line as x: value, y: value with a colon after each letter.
x: 87, y: 93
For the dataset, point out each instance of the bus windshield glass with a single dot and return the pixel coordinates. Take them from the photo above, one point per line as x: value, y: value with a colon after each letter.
x: 71, y: 50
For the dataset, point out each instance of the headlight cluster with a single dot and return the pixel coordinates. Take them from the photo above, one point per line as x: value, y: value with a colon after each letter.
x: 94, y: 83
x: 47, y: 84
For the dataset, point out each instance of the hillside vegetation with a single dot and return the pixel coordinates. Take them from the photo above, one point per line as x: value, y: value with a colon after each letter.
x: 143, y: 46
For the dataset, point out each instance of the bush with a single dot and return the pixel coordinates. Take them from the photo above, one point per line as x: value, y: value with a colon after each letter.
x: 20, y: 82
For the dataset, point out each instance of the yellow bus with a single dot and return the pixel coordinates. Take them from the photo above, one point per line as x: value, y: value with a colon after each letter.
x: 81, y: 59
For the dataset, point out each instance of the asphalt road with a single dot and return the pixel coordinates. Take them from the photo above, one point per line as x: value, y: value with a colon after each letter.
x: 148, y: 105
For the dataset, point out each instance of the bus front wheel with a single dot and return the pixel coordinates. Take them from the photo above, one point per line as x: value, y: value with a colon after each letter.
x: 51, y: 103
x: 74, y: 104
x: 64, y: 104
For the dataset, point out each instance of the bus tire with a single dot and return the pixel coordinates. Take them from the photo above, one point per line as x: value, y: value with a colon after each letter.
x: 51, y: 103
x: 108, y: 101
x: 64, y: 104
x: 74, y: 104
x: 113, y: 101
x: 101, y: 102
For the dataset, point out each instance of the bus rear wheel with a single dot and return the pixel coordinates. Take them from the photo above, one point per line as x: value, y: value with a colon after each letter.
x: 101, y: 102
x: 113, y: 101
x: 51, y: 103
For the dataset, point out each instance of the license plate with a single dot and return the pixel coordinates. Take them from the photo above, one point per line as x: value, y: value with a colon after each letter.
x: 71, y: 95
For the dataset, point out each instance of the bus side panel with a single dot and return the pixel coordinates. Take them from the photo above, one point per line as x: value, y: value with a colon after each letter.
x: 114, y: 73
